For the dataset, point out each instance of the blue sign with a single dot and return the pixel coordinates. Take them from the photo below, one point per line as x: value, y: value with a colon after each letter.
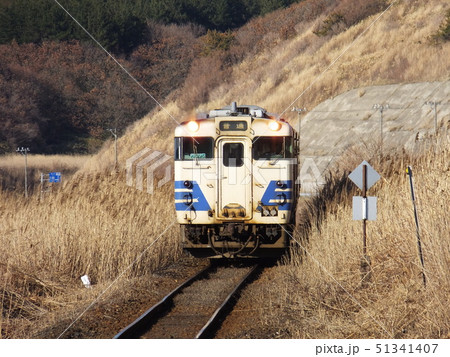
x: 54, y: 177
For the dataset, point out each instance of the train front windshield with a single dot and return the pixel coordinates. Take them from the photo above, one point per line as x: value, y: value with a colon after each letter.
x: 192, y: 148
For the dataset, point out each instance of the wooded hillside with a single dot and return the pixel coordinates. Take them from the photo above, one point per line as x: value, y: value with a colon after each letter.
x: 61, y: 92
x: 120, y: 25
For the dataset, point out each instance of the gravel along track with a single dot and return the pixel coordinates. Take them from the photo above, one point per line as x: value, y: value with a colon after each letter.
x: 196, y: 303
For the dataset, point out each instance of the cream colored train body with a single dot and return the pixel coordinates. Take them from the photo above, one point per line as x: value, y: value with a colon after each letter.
x: 235, y: 183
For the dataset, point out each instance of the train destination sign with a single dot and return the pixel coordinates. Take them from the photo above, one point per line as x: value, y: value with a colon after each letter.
x: 200, y: 155
x: 233, y: 125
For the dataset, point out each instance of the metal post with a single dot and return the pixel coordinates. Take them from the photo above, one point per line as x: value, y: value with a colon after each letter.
x: 42, y: 186
x: 299, y: 112
x: 365, y: 261
x: 381, y: 131
x: 381, y: 108
x: 114, y: 133
x: 24, y: 152
x: 26, y: 175
x: 435, y: 119
x: 116, y: 162
x: 364, y: 193
x: 434, y: 104
x: 416, y: 218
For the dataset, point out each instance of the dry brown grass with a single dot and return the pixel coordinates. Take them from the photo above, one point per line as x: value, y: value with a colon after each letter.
x: 96, y: 225
x: 322, y: 292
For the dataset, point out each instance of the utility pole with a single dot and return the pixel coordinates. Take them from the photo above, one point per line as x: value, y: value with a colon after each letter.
x: 299, y: 112
x: 434, y: 104
x: 114, y: 133
x: 381, y: 108
x: 24, y: 152
x: 298, y: 180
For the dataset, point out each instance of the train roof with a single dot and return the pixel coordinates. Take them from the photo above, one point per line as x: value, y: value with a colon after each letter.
x: 234, y: 110
x: 249, y: 120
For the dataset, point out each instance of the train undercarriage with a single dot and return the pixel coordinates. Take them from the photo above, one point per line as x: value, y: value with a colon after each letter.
x: 236, y: 239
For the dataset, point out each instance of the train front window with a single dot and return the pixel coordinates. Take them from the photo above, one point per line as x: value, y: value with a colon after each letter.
x: 233, y: 154
x: 194, y: 148
x: 272, y: 147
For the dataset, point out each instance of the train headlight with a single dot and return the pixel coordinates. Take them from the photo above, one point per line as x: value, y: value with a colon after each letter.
x: 193, y: 126
x: 273, y: 212
x: 281, y: 184
x: 274, y: 125
x: 265, y: 212
x: 187, y: 184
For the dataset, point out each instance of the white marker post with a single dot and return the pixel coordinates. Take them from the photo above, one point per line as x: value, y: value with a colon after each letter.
x: 416, y: 218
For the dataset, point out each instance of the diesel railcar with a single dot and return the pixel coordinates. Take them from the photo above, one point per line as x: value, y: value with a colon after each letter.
x: 235, y: 183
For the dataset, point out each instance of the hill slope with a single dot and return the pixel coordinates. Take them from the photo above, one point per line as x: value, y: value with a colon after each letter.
x: 306, y: 69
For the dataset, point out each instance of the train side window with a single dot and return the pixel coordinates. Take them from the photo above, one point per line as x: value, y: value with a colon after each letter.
x: 288, y: 147
x: 272, y: 147
x: 268, y: 147
x: 194, y: 148
x: 233, y: 154
x: 178, y: 151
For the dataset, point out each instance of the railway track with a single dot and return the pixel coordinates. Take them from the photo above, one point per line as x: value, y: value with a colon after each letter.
x: 196, y: 308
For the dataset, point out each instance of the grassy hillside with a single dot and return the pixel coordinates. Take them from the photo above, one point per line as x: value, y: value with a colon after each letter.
x: 303, y: 69
x: 100, y: 226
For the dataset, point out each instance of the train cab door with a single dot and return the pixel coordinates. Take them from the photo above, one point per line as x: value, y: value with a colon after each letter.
x: 234, y: 179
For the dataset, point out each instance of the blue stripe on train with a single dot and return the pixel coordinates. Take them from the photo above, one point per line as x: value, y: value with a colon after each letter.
x: 194, y: 196
x: 271, y: 196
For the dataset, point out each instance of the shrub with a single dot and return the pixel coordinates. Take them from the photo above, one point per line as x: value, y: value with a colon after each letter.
x: 333, y: 24
x: 216, y: 41
x: 443, y: 34
x: 348, y: 13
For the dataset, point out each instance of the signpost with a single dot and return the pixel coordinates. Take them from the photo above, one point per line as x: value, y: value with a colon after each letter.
x: 364, y: 208
x: 53, y: 177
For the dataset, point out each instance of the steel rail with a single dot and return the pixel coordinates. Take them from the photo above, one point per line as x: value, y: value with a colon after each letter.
x: 148, y: 318
x: 213, y: 324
